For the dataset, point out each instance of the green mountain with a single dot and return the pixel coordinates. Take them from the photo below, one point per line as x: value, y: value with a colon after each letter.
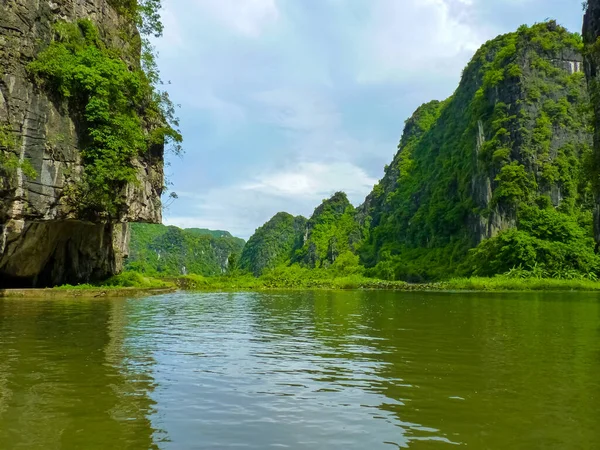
x: 332, y: 230
x: 273, y: 244
x: 591, y: 35
x: 493, y: 178
x: 499, y: 165
x: 159, y: 250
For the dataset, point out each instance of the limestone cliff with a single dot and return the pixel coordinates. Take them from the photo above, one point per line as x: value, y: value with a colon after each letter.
x: 44, y: 239
x: 515, y: 134
x: 591, y: 33
x: 273, y: 244
x: 330, y: 231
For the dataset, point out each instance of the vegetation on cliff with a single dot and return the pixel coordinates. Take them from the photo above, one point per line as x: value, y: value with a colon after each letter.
x: 494, y: 179
x: 331, y: 232
x: 273, y: 244
x: 502, y: 161
x: 115, y: 101
x: 9, y: 159
x: 591, y: 37
x: 162, y: 251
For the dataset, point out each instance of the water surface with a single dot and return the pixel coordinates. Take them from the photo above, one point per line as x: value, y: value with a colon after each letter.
x: 312, y: 370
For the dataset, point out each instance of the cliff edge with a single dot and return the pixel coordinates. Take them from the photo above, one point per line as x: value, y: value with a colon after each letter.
x: 46, y: 142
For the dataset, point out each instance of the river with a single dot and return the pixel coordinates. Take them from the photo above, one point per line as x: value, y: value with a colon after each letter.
x: 302, y: 370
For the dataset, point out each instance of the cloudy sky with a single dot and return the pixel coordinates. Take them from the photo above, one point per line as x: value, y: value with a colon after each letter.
x: 284, y: 102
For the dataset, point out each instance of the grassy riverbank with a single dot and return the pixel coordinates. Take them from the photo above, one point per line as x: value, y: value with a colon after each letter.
x: 128, y: 284
x: 266, y: 282
x: 135, y: 284
x: 121, y: 281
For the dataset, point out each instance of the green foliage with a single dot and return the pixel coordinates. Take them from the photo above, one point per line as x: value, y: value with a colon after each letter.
x: 515, y: 184
x: 544, y: 239
x: 297, y: 277
x: 507, y: 283
x: 346, y: 264
x: 273, y: 244
x: 120, y: 112
x: 145, y: 13
x: 162, y: 251
x: 134, y: 280
x: 123, y: 280
x: 518, y: 128
x: 9, y: 161
x: 332, y: 231
x: 288, y: 277
x: 419, y: 265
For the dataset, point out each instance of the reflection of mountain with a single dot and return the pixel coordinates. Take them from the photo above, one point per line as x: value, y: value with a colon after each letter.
x: 466, y: 368
x: 67, y: 379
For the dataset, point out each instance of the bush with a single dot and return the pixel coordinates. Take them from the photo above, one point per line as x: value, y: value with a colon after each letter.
x: 134, y: 280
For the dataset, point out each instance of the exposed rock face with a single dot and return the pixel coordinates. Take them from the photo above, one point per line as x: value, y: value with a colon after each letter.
x: 515, y: 132
x: 518, y: 92
x: 591, y: 33
x: 42, y: 240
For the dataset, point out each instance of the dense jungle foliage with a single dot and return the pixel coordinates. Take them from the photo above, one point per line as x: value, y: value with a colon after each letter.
x: 112, y: 93
x: 506, y: 157
x: 161, y: 251
x: 591, y: 37
x: 273, y: 244
x: 331, y: 231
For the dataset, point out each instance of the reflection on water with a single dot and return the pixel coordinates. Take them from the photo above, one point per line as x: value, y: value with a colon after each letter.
x: 68, y: 378
x: 312, y: 370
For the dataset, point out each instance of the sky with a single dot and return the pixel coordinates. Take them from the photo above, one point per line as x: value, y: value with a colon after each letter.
x: 285, y: 102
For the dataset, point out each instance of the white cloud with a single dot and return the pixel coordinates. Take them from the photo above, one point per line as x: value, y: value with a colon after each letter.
x: 423, y: 38
x: 247, y: 17
x: 298, y: 190
x: 315, y: 180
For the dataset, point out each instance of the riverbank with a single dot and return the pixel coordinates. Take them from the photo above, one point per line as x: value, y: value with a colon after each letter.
x: 88, y: 292
x: 265, y: 283
x: 128, y: 284
x: 131, y: 284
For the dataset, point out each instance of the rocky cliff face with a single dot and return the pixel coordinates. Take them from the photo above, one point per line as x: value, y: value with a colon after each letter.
x: 591, y: 33
x: 43, y: 239
x: 515, y: 133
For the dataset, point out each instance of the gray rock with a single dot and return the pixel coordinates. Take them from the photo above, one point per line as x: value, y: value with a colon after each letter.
x: 43, y: 240
x: 591, y: 33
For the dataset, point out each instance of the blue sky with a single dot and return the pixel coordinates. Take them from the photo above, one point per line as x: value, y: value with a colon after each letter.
x: 284, y: 102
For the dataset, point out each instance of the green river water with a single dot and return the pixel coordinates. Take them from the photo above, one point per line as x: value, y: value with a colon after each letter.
x: 302, y: 370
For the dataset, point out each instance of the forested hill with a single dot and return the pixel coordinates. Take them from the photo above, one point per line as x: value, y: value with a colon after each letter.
x: 500, y: 165
x: 493, y: 179
x: 160, y: 250
x: 273, y: 244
